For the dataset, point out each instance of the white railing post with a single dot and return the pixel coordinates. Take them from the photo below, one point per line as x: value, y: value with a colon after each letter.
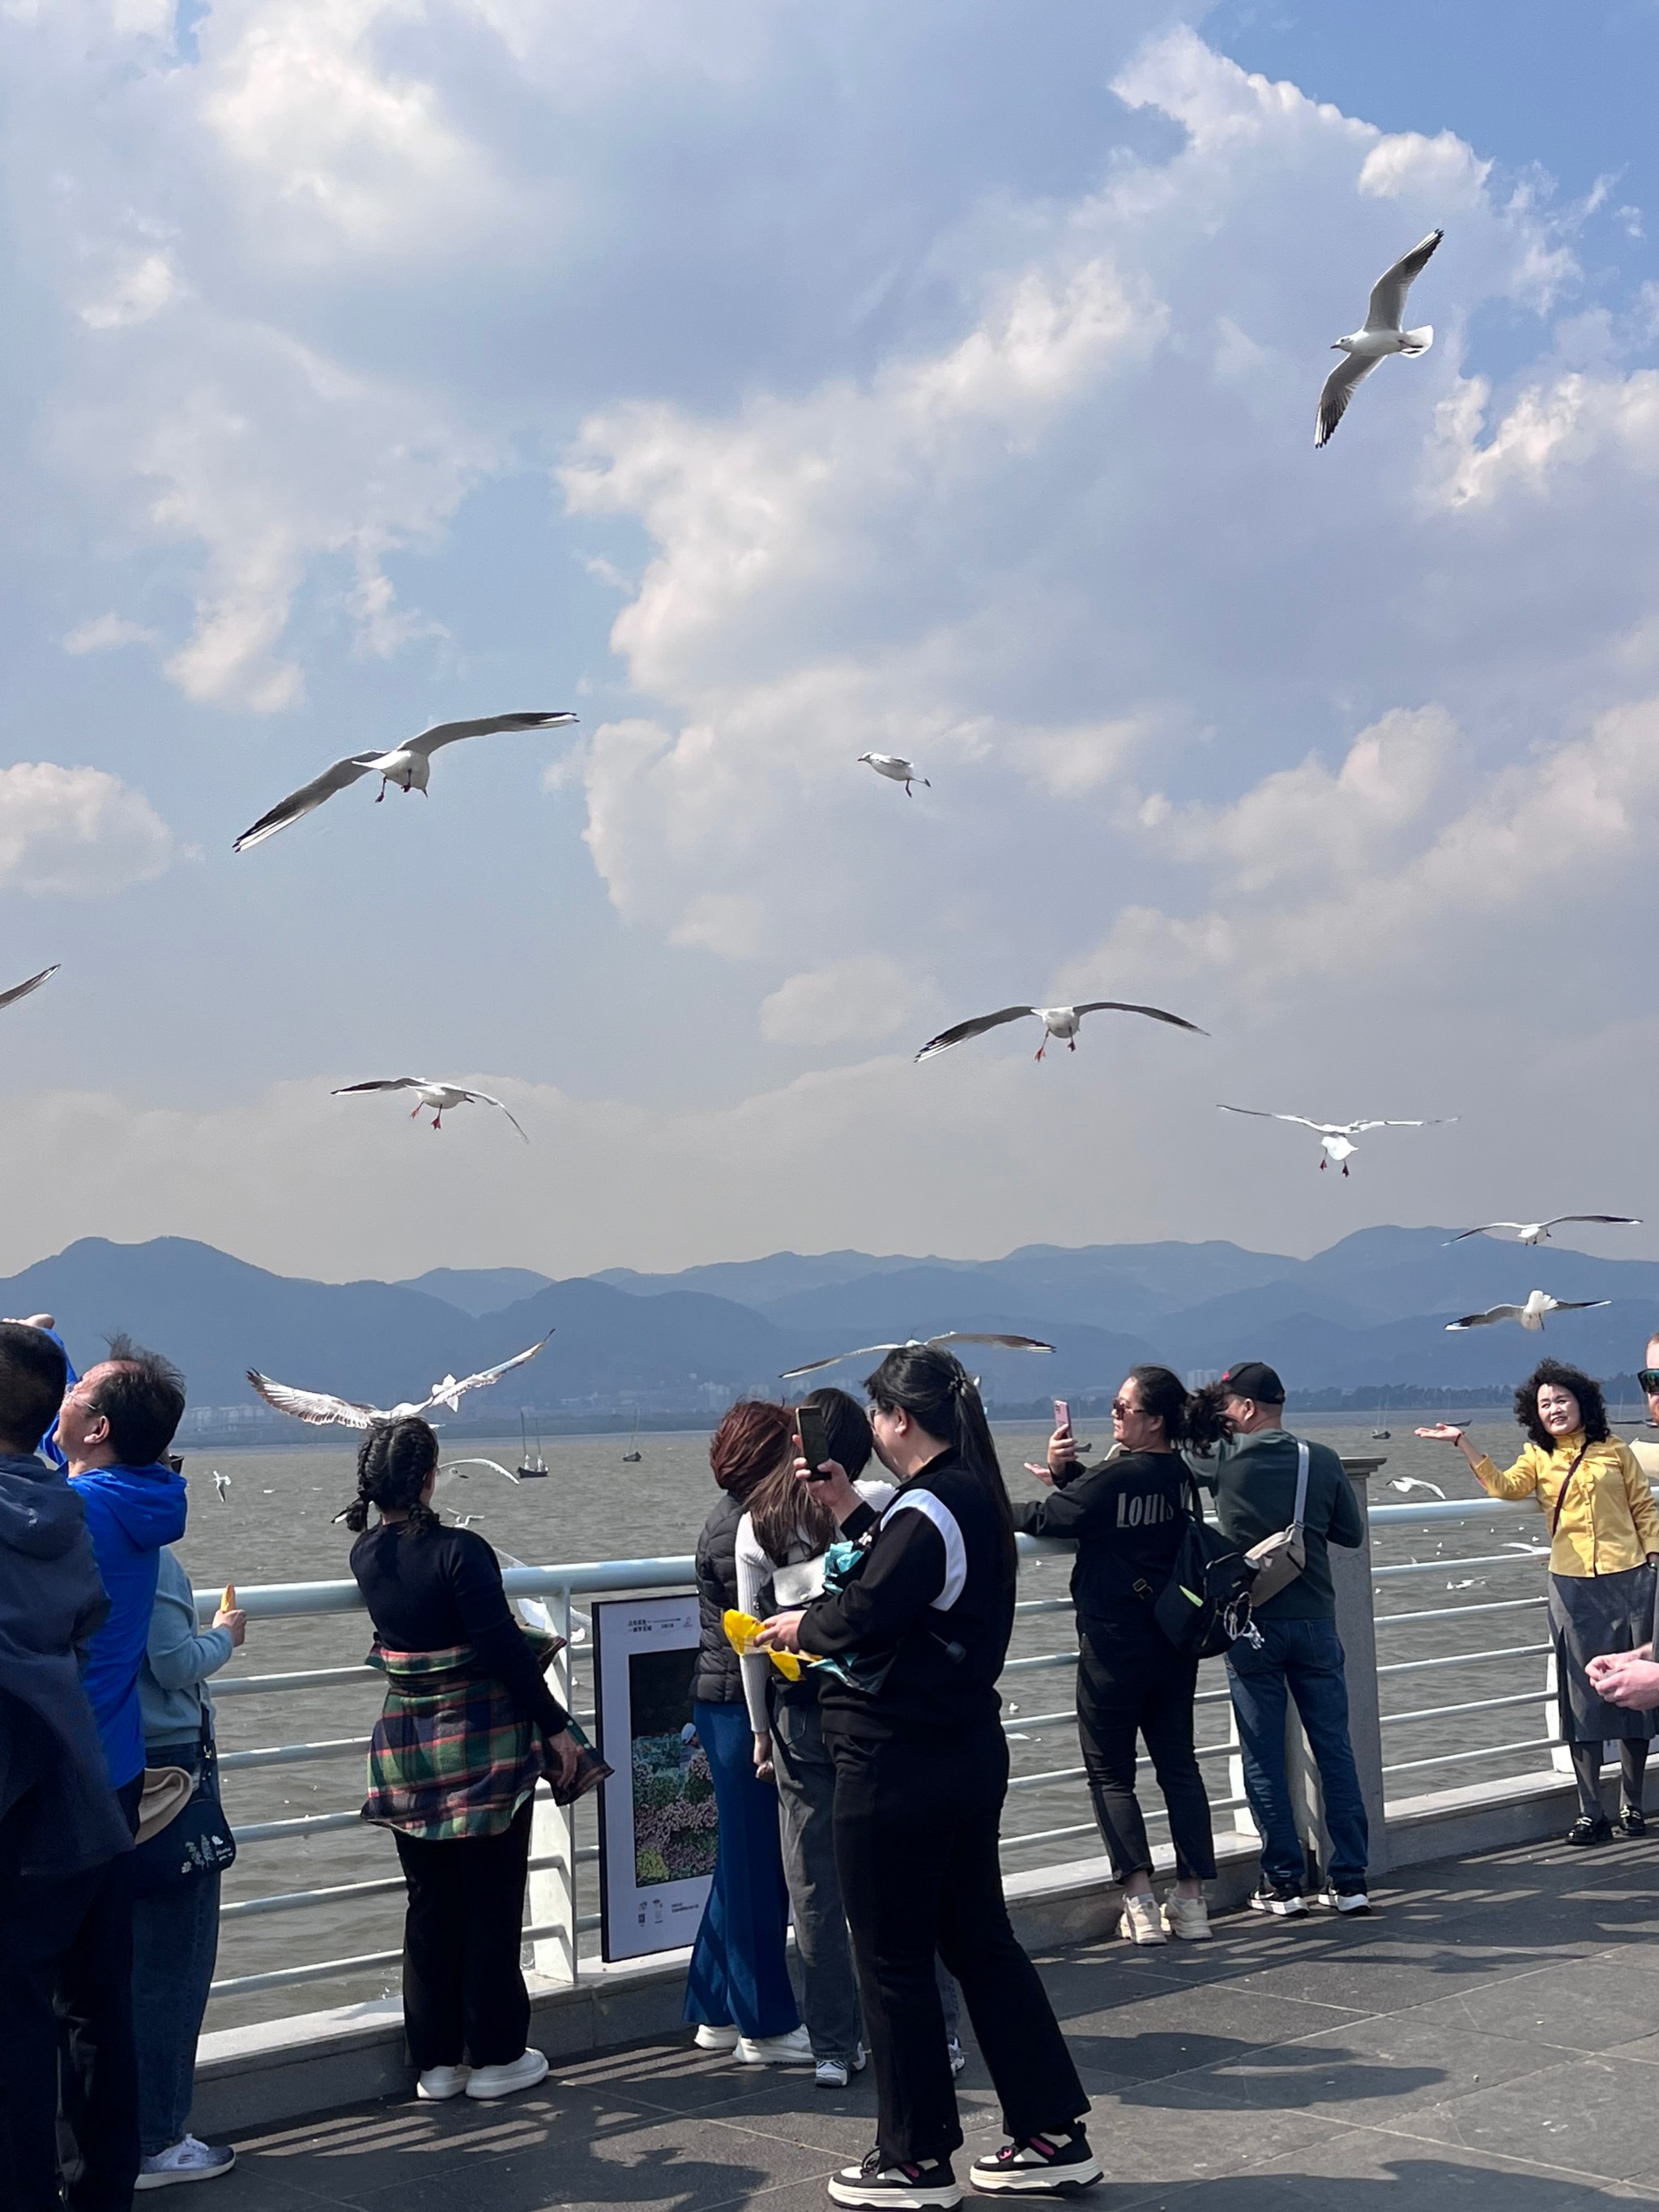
x: 553, y: 1838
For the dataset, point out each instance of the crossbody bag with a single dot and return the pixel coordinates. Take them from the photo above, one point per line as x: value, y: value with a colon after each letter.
x: 1279, y: 1558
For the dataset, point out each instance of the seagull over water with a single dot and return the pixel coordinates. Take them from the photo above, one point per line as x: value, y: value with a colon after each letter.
x: 1381, y: 335
x: 898, y: 769
x: 952, y: 1336
x: 1336, y: 1138
x: 441, y: 1097
x: 321, y: 1408
x: 1538, y: 1232
x: 1405, y: 1483
x: 1057, y: 1022
x: 21, y: 990
x: 221, y: 1484
x: 409, y: 766
x: 1530, y: 1316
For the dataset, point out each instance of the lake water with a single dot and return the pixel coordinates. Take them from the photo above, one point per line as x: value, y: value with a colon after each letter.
x: 276, y: 1526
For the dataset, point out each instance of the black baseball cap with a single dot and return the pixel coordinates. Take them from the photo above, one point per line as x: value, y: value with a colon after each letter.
x: 1252, y: 1378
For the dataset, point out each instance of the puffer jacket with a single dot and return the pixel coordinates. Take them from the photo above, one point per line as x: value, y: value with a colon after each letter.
x: 718, y: 1679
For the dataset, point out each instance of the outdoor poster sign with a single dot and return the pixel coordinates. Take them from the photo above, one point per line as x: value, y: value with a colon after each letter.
x: 658, y: 1826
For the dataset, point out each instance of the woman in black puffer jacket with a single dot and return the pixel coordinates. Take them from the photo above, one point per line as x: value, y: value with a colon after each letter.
x: 738, y: 1989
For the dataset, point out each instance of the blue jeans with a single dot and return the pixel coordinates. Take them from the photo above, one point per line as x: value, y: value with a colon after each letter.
x: 1300, y: 1659
x: 175, y: 1942
x: 740, y: 1975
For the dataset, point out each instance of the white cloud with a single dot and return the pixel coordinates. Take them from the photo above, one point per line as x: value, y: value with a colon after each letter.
x: 76, y: 832
x: 141, y: 291
x: 855, y: 1001
x: 105, y: 632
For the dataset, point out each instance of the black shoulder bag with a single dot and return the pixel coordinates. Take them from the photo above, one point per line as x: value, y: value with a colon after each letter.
x: 196, y: 1841
x: 1206, y: 1604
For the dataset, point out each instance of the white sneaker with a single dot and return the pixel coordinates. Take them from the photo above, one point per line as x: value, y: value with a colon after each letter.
x: 1139, y: 1923
x: 716, y: 2039
x: 836, y: 2073
x: 186, y: 2160
x: 957, y: 2055
x: 521, y: 2073
x: 1346, y: 1900
x: 440, y: 2083
x: 1187, y: 1919
x: 794, y: 2049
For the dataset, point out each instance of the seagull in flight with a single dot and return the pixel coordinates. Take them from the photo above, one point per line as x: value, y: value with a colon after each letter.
x: 21, y: 990
x: 321, y: 1407
x: 457, y: 1468
x: 952, y: 1336
x: 1362, y: 350
x: 221, y: 1484
x: 409, y: 766
x: 1530, y: 1316
x: 1057, y: 1022
x: 1538, y: 1232
x: 898, y: 769
x: 1405, y: 1483
x: 441, y: 1097
x: 1336, y: 1138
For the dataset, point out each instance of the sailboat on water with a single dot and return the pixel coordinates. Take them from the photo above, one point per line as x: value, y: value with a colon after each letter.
x: 529, y: 1468
x: 632, y: 1457
x: 1382, y: 1432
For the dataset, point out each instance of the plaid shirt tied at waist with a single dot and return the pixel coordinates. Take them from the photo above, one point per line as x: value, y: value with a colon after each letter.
x: 451, y: 1756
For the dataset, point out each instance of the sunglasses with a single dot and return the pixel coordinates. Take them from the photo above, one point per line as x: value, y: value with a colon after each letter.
x: 1647, y: 1379
x: 1121, y: 1409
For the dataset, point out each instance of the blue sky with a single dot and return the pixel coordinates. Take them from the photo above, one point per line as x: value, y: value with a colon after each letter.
x: 769, y: 386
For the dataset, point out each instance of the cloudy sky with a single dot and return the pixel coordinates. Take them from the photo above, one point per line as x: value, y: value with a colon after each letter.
x: 769, y: 383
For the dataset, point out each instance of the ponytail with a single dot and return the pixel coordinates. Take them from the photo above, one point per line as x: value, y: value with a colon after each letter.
x: 940, y: 1396
x: 393, y: 1466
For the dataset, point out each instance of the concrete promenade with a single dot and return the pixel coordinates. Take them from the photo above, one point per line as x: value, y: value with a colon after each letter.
x: 1488, y: 2039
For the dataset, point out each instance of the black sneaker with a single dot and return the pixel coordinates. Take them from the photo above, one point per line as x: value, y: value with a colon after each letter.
x: 1041, y: 2166
x: 1349, y: 1901
x: 1586, y: 1831
x: 911, y: 2188
x: 1285, y: 1904
x: 1632, y: 1821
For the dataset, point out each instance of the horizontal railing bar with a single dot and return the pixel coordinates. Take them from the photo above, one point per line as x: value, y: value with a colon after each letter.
x: 1439, y: 1566
x: 1036, y: 1666
x: 314, y: 1678
x: 268, y: 1600
x: 1465, y: 1658
x: 1476, y: 1705
x: 298, y: 1900
x: 1488, y: 1751
x: 320, y: 1970
x: 296, y: 1754
x: 1457, y: 1612
x: 297, y: 1829
x: 1027, y: 1606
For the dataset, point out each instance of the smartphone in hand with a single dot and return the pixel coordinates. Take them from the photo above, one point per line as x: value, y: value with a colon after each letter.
x: 1062, y: 1414
x: 813, y: 1431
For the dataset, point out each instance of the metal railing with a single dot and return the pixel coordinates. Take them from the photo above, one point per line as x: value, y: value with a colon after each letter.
x: 564, y: 1856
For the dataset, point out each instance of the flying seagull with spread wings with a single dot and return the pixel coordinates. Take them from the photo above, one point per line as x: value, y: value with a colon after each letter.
x: 322, y: 1409
x: 409, y: 766
x: 441, y: 1097
x: 897, y: 769
x: 1530, y: 1316
x: 21, y: 990
x: 1538, y: 1232
x: 951, y: 1336
x: 1057, y: 1022
x: 1336, y: 1138
x: 1362, y: 350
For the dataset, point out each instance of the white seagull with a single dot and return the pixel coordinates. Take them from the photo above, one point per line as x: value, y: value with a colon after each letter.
x: 21, y: 990
x: 1057, y: 1022
x: 1363, y: 349
x: 320, y: 1408
x: 441, y: 1097
x: 1538, y: 1232
x: 898, y: 769
x: 1336, y: 1138
x: 455, y: 1468
x: 951, y: 1336
x: 221, y: 1484
x: 409, y: 766
x: 1530, y: 1316
x: 1404, y: 1483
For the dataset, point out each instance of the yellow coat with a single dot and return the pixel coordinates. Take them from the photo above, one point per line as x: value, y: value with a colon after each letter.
x: 1609, y: 1523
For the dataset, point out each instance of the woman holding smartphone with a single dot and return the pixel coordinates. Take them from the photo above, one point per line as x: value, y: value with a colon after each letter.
x: 926, y: 1609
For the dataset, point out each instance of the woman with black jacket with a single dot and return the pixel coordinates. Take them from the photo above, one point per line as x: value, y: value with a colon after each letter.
x: 1128, y: 1515
x: 469, y: 1728
x: 915, y: 1625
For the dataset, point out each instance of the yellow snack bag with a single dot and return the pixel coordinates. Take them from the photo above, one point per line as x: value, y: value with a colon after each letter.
x: 228, y: 1602
x: 741, y: 1630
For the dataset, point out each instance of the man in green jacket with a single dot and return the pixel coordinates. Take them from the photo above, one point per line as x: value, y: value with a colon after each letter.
x: 1300, y: 1654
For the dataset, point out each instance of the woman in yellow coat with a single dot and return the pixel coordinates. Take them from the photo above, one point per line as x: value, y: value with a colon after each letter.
x: 1604, y: 1547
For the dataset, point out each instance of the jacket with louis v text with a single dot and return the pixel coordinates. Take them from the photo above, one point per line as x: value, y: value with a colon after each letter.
x: 1127, y: 1514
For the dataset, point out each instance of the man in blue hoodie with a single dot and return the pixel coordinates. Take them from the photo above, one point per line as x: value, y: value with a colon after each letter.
x: 114, y: 1426
x: 60, y: 1827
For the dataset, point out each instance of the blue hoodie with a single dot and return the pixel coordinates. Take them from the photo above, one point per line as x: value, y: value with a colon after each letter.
x: 131, y: 1511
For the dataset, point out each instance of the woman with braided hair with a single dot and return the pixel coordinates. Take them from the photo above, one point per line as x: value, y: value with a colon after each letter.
x: 922, y: 1771
x: 469, y: 1728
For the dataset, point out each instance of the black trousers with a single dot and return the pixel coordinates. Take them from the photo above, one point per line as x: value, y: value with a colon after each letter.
x: 464, y: 1992
x: 1587, y: 1768
x: 1131, y: 1681
x: 916, y: 1829
x: 68, y: 2075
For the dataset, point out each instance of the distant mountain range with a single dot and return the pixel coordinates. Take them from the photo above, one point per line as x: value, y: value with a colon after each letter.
x: 1368, y: 1314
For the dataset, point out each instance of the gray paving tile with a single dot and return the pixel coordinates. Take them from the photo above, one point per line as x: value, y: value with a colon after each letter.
x: 1591, y: 2005
x: 1591, y: 2116
x: 1359, y: 2170
x: 1175, y: 2033
x: 1367, y: 1981
x: 1163, y: 2133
